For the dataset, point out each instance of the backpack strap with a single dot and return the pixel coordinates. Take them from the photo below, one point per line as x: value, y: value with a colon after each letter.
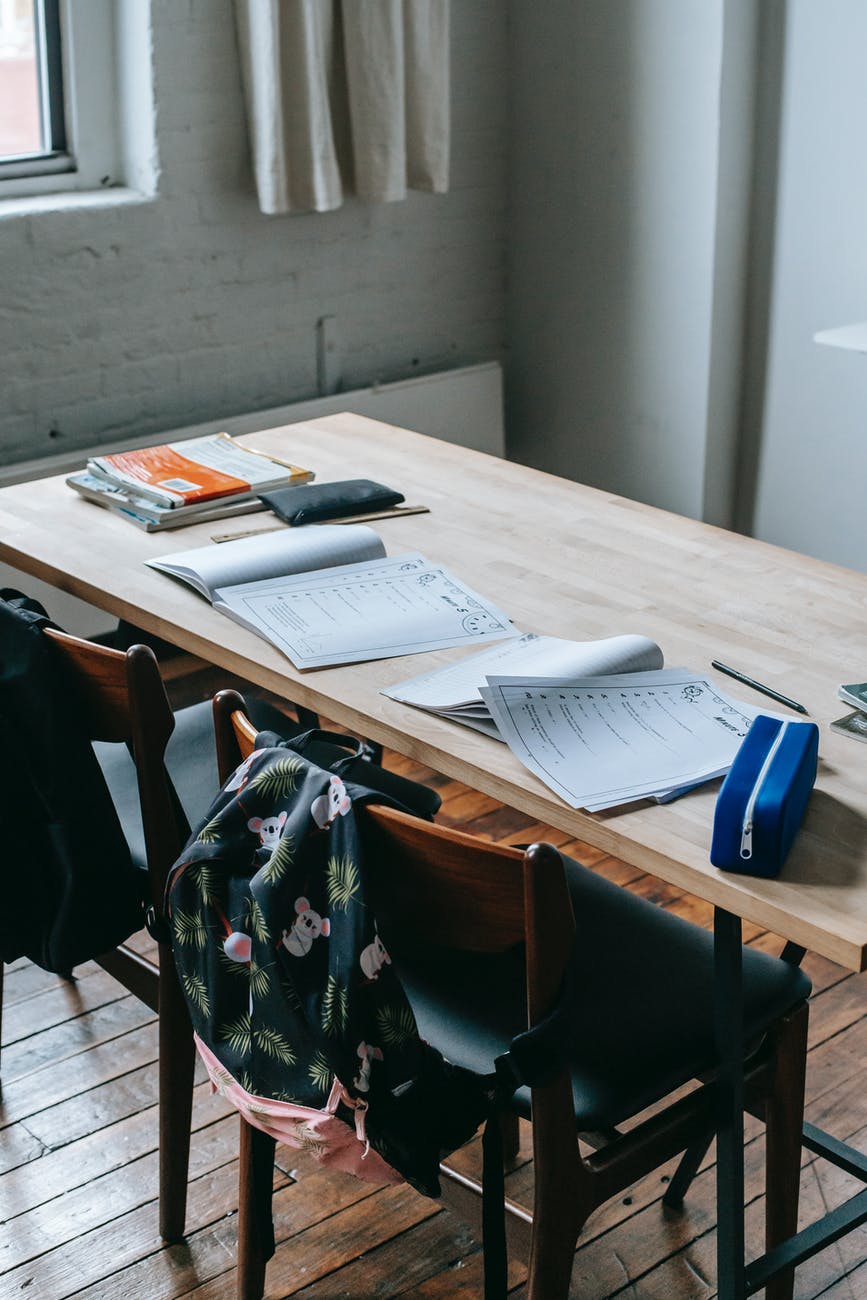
x: 321, y: 737
x: 327, y: 749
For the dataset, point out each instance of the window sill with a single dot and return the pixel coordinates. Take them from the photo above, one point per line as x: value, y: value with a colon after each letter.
x: 29, y: 205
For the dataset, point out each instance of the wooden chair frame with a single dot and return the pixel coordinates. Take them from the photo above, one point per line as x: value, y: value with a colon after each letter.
x: 122, y: 699
x: 439, y: 883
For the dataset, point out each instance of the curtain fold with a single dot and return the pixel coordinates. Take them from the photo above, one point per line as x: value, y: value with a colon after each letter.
x: 345, y: 96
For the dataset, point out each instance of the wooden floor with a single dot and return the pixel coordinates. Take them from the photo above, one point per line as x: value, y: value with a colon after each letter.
x: 78, y: 1168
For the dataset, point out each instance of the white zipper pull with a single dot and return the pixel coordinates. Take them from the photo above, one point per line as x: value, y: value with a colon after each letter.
x: 747, y: 824
x: 747, y: 840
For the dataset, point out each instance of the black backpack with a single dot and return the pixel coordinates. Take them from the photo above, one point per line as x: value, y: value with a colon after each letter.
x: 70, y: 890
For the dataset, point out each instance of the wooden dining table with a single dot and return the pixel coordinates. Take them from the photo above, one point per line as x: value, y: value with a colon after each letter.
x: 568, y: 561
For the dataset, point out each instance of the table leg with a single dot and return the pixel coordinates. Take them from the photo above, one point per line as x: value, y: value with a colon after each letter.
x: 736, y: 1280
x: 729, y: 1038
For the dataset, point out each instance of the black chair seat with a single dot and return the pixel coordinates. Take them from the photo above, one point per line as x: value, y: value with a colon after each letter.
x: 644, y: 1024
x: 191, y: 760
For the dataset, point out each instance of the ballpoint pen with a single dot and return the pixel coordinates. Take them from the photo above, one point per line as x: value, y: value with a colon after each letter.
x: 757, y: 686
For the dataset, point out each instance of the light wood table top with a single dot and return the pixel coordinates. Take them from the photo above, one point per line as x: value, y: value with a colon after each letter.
x: 560, y: 559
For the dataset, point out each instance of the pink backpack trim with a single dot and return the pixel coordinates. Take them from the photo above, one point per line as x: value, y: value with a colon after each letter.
x: 332, y: 1142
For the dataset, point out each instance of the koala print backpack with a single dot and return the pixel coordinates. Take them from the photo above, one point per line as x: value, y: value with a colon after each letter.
x: 298, y: 1014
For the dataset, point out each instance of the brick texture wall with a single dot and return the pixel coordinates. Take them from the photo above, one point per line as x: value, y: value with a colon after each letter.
x: 147, y: 315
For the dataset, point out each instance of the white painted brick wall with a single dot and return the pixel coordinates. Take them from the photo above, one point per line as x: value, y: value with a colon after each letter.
x: 193, y: 305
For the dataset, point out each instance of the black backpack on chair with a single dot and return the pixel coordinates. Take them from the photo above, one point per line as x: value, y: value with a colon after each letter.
x: 70, y: 890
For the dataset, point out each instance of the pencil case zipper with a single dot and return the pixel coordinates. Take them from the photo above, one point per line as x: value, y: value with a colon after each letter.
x: 747, y: 824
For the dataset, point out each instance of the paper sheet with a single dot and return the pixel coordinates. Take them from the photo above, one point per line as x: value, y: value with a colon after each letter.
x: 455, y: 690
x: 611, y: 740
x: 396, y: 606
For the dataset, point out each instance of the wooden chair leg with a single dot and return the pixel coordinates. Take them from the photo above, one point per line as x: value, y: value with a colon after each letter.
x: 560, y: 1201
x: 255, y: 1236
x: 784, y: 1119
x: 177, y: 1064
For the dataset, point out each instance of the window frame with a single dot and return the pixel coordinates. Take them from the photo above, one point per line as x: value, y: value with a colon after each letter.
x: 78, y: 86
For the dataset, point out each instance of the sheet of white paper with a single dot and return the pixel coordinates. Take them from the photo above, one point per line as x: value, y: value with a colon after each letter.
x: 458, y: 684
x: 271, y: 555
x: 611, y: 740
x: 356, y: 612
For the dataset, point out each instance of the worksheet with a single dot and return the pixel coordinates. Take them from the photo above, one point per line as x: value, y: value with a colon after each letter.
x: 610, y: 740
x: 454, y: 691
x: 371, y: 610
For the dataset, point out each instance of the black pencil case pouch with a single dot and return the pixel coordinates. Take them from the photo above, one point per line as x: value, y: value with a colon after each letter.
x: 311, y: 503
x: 763, y: 799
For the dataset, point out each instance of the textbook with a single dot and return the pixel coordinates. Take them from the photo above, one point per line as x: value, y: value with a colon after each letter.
x: 196, y: 470
x: 146, y: 514
x: 327, y: 594
x: 454, y: 691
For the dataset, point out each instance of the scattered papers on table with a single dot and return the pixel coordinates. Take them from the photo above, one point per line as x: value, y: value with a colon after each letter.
x: 611, y: 740
x: 455, y: 691
x: 371, y: 610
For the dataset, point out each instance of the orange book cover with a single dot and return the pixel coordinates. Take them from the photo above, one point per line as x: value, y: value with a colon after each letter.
x: 166, y: 469
x: 197, y: 470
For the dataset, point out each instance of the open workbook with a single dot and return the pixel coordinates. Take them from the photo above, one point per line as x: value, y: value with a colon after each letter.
x: 600, y: 722
x: 455, y: 691
x: 327, y: 594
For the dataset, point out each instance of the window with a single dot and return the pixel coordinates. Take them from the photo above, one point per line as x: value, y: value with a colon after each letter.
x: 32, y: 120
x: 59, y: 108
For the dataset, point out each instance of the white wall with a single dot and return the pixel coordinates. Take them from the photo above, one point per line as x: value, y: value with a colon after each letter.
x: 809, y: 452
x: 614, y: 128
x: 688, y: 205
x: 127, y: 318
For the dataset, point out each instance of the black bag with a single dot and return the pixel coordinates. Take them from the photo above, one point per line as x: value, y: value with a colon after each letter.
x: 70, y: 890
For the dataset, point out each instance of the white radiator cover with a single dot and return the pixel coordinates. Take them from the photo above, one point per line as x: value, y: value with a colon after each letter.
x: 464, y: 406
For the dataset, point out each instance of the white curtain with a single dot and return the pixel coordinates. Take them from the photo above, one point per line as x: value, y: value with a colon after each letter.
x: 345, y: 96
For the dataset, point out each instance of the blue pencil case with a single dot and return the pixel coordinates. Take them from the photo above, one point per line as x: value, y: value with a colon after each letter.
x: 762, y: 800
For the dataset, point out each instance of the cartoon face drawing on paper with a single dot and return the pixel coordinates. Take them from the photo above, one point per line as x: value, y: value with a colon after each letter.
x: 307, y: 926
x: 268, y: 829
x: 331, y: 805
x: 478, y: 623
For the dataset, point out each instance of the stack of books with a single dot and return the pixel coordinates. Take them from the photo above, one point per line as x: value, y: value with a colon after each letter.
x: 853, y: 724
x: 184, y: 482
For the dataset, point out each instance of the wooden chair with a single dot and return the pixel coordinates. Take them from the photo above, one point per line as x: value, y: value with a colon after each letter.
x: 122, y: 702
x: 161, y: 769
x: 482, y: 936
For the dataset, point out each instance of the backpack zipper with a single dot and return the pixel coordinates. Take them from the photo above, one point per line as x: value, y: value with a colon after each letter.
x: 747, y: 825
